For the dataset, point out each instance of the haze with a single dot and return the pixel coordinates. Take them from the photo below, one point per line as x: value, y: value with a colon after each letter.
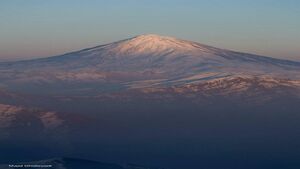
x: 34, y: 28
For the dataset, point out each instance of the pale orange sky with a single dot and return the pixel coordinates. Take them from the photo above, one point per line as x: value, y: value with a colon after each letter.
x: 34, y: 28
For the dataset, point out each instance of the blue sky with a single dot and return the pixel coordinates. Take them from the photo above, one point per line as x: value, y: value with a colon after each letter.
x: 35, y: 28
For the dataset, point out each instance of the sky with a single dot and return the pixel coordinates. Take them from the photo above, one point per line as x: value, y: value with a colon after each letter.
x: 41, y: 28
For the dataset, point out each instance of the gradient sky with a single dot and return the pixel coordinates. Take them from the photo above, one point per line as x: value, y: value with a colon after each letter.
x: 39, y: 28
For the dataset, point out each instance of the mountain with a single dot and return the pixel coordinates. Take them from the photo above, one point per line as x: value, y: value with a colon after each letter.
x: 71, y: 163
x: 152, y: 100
x: 150, y: 60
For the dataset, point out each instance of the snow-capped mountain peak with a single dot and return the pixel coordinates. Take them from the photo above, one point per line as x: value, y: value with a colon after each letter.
x: 157, y: 42
x: 147, y: 57
x: 151, y: 45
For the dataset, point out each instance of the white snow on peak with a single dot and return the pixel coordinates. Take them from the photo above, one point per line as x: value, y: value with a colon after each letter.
x: 151, y: 44
x: 156, y: 43
x: 154, y: 38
